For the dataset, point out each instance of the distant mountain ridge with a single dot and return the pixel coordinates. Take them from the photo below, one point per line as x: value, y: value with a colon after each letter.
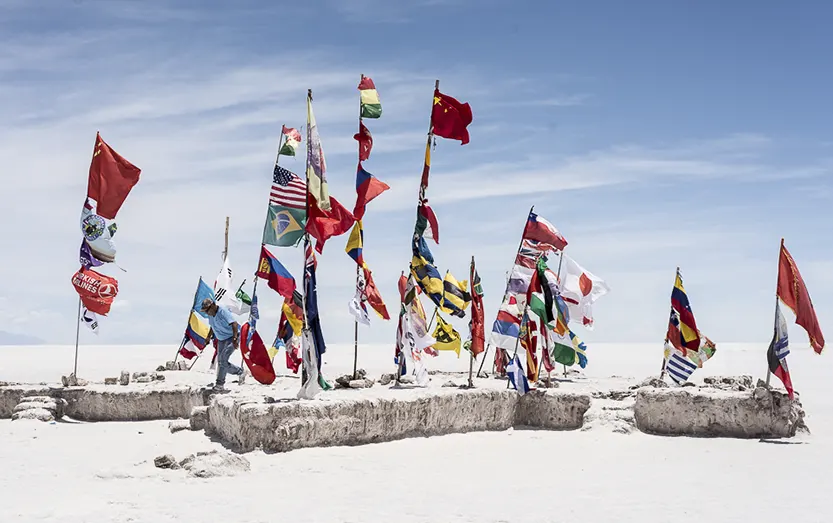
x: 10, y: 338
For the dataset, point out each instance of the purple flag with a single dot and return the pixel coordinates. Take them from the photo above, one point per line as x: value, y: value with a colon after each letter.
x: 85, y: 256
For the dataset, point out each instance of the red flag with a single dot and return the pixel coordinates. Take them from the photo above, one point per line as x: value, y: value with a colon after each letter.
x: 255, y: 355
x: 367, y: 188
x: 373, y: 296
x: 529, y: 341
x: 323, y: 225
x: 450, y: 118
x: 793, y: 293
x: 111, y: 178
x: 97, y: 291
x: 365, y: 140
x: 478, y: 329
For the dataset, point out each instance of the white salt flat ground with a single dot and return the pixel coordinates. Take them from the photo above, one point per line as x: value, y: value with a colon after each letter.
x: 103, y: 472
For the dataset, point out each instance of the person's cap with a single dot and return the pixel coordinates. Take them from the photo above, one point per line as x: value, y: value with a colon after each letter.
x: 206, y: 304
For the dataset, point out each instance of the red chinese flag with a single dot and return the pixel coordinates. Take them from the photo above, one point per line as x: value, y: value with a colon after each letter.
x: 373, y: 296
x: 255, y: 355
x: 793, y: 293
x: 111, y: 178
x: 323, y: 225
x: 96, y: 290
x: 365, y: 140
x: 450, y: 118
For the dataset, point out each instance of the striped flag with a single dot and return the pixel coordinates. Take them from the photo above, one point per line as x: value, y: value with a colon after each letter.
x: 287, y: 215
x: 288, y: 189
x: 682, y: 329
x: 679, y: 368
x: 778, y: 350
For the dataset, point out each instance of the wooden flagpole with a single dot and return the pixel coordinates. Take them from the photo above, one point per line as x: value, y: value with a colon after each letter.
x: 506, y: 289
x: 77, y: 337
x: 225, y: 255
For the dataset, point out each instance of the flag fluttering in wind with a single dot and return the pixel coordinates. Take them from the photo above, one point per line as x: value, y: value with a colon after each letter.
x: 357, y: 305
x: 476, y: 325
x: 86, y: 258
x: 316, y: 165
x: 365, y: 140
x: 254, y: 351
x: 90, y: 319
x: 111, y: 179
x: 96, y: 290
x: 224, y: 293
x: 456, y: 298
x: 287, y: 215
x: 446, y: 337
x: 580, y: 289
x: 373, y: 296
x: 292, y: 139
x: 197, y: 332
x: 682, y: 329
x: 793, y: 292
x: 540, y: 230
x: 450, y: 118
x: 778, y: 350
x: 517, y: 376
x: 277, y: 277
x: 678, y: 366
x: 98, y: 236
x: 368, y: 187
x: 371, y: 107
x: 323, y: 225
x: 355, y: 244
x: 425, y: 274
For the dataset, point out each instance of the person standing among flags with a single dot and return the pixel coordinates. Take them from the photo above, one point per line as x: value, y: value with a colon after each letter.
x: 227, y: 332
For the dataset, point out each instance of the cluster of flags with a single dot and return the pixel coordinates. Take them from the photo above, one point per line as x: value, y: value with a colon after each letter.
x: 368, y: 187
x: 110, y: 180
x: 686, y: 348
x: 449, y: 119
x: 539, y: 304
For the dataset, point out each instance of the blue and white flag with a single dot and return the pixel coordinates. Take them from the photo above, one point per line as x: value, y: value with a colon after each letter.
x: 782, y: 341
x: 678, y: 367
x: 517, y: 376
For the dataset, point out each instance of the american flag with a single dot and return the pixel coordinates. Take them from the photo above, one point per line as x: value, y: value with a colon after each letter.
x: 288, y: 190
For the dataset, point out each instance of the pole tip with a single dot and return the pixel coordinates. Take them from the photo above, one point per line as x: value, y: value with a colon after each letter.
x: 436, y: 84
x: 309, y: 94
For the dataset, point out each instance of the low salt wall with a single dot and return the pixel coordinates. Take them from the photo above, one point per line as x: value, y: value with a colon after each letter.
x: 109, y: 403
x: 283, y: 426
x: 759, y: 413
x: 10, y: 396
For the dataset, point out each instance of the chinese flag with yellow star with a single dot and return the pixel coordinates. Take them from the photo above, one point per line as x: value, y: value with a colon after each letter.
x: 111, y: 178
x: 450, y: 118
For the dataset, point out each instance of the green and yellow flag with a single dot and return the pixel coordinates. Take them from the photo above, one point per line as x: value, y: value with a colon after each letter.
x: 371, y: 106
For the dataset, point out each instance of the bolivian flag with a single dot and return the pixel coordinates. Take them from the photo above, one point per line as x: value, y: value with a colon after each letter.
x: 371, y: 106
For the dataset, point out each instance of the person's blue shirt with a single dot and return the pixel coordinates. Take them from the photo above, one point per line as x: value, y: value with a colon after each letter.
x: 221, y: 323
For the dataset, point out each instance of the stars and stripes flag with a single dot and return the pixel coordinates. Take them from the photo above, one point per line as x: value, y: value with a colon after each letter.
x: 288, y: 189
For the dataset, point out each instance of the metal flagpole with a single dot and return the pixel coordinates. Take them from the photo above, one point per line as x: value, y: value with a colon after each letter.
x: 358, y: 269
x: 768, y: 370
x: 77, y: 336
x: 664, y: 362
x: 306, y: 245
x: 505, y: 290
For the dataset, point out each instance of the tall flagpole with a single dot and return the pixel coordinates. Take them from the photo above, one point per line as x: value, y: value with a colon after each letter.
x: 426, y: 167
x: 358, y: 269
x: 77, y: 336
x: 780, y: 249
x: 505, y: 290
x: 306, y: 243
x: 664, y: 361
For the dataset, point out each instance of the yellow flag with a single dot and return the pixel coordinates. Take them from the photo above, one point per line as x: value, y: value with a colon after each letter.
x: 447, y: 338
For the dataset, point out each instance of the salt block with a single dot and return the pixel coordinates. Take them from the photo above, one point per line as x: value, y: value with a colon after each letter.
x: 179, y: 425
x: 143, y: 379
x: 111, y: 381
x: 164, y: 462
x: 170, y: 365
x: 360, y: 384
x: 717, y: 413
x: 215, y: 463
x: 34, y: 414
x: 182, y: 365
x: 199, y: 418
x: 125, y: 378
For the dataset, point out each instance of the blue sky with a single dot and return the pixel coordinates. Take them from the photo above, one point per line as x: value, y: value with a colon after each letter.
x: 652, y: 135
